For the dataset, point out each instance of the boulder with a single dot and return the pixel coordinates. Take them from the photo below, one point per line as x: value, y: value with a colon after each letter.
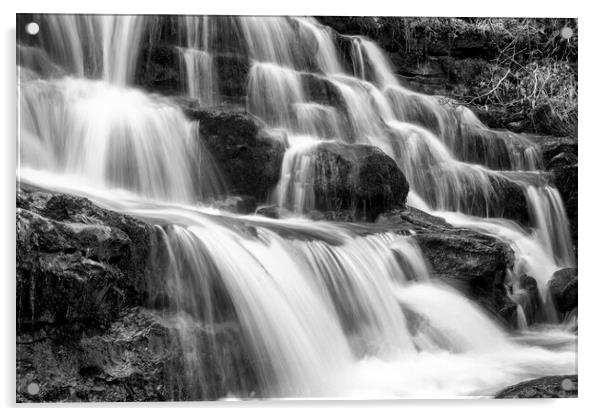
x: 471, y: 262
x: 76, y: 262
x: 359, y: 178
x: 542, y: 388
x: 564, y: 289
x: 272, y: 211
x: 246, y: 153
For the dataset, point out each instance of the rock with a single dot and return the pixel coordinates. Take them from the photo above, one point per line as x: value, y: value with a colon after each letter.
x: 138, y: 358
x: 272, y: 211
x: 560, y: 158
x: 76, y: 262
x: 248, y: 155
x: 564, y: 289
x: 528, y: 297
x: 359, y: 178
x: 566, y: 180
x: 542, y: 388
x: 232, y: 72
x: 321, y: 90
x: 473, y: 263
x: 160, y: 69
x: 509, y: 200
x: 238, y: 204
x: 82, y: 331
x: 495, y: 149
x: 552, y: 146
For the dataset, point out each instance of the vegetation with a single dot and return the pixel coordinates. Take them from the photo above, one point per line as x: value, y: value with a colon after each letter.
x: 518, y: 73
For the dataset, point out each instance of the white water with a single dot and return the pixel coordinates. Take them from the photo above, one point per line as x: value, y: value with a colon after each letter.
x: 324, y: 310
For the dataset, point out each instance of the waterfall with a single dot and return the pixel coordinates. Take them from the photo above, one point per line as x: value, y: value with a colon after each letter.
x: 198, y: 60
x: 324, y: 309
x: 113, y: 137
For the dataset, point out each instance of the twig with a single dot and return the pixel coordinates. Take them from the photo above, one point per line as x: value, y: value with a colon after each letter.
x: 494, y: 88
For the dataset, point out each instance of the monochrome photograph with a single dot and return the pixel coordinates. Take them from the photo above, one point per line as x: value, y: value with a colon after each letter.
x: 249, y: 207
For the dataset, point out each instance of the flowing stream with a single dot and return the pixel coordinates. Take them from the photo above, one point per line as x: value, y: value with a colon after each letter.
x: 325, y: 310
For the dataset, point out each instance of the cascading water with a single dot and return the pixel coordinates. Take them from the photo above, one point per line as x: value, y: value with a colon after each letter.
x: 324, y: 309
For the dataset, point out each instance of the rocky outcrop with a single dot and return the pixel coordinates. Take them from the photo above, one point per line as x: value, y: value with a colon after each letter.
x: 542, y: 388
x: 139, y: 357
x: 76, y: 262
x: 83, y: 330
x: 359, y: 178
x: 248, y: 155
x: 474, y: 263
x: 564, y: 289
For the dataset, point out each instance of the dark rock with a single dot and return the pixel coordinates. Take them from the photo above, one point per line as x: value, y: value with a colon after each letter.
x: 359, y: 178
x: 161, y: 69
x: 272, y: 211
x: 232, y: 72
x: 248, y: 155
x: 542, y: 388
x: 553, y: 146
x: 509, y: 200
x: 76, y: 262
x: 528, y: 297
x: 321, y: 90
x: 138, y: 358
x: 492, y: 148
x: 238, y: 204
x: 475, y: 264
x: 564, y: 289
x: 560, y: 158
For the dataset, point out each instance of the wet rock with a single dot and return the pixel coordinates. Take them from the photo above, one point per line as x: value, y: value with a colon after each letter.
x: 552, y: 146
x: 509, y: 200
x: 232, y: 72
x: 321, y: 90
x: 249, y: 156
x: 359, y: 178
x: 566, y: 179
x: 528, y: 297
x: 139, y: 357
x: 564, y: 289
x: 160, y: 69
x: 271, y: 211
x: 76, y: 262
x: 542, y: 388
x: 238, y: 204
x: 560, y: 157
x: 473, y: 263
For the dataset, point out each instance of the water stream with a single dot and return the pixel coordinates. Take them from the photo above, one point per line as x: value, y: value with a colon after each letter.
x: 325, y: 311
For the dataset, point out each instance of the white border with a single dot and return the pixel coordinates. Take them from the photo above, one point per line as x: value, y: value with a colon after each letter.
x: 590, y: 153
